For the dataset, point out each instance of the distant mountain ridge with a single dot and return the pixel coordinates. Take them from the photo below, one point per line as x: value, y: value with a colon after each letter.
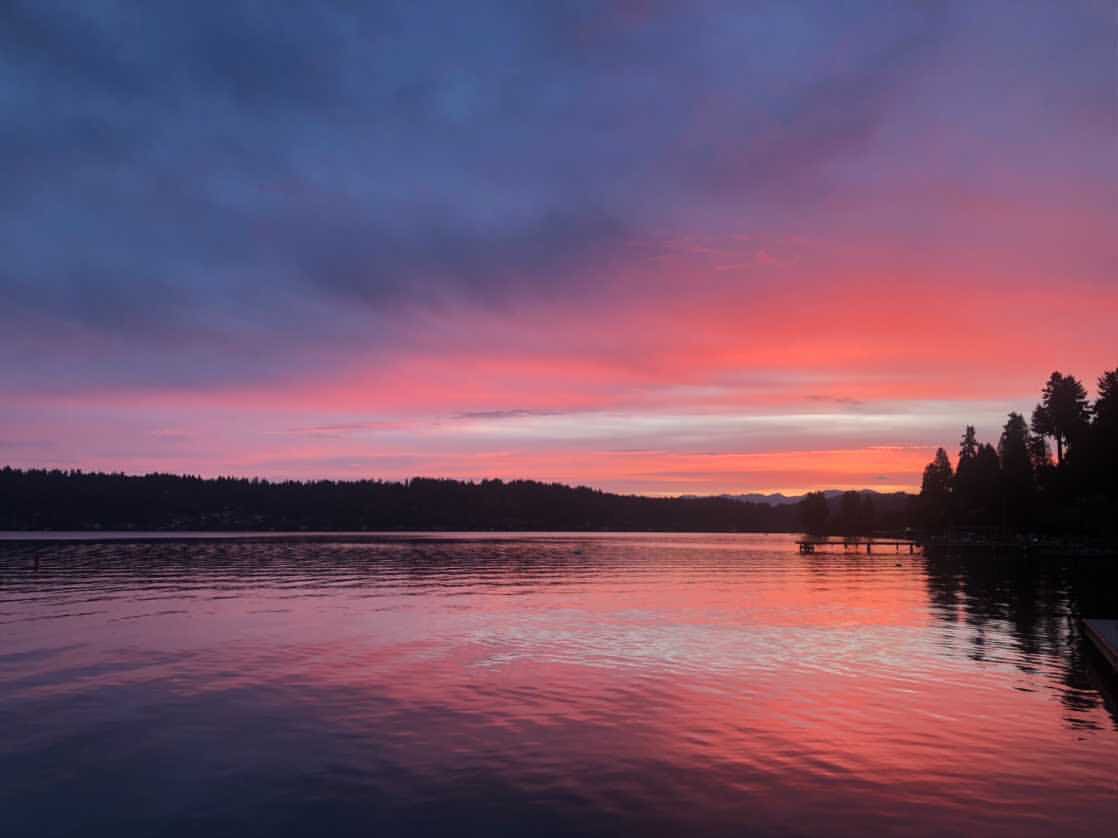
x: 780, y: 499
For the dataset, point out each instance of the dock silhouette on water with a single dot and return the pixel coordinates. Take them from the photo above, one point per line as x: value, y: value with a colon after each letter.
x: 817, y: 545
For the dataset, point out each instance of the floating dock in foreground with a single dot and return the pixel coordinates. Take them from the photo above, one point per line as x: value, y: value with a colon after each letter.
x: 1104, y: 634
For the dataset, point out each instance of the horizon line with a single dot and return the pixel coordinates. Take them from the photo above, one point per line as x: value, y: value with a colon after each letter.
x: 788, y: 493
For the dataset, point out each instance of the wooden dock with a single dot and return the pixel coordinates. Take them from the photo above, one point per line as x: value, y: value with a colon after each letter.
x: 1104, y: 634
x: 815, y: 545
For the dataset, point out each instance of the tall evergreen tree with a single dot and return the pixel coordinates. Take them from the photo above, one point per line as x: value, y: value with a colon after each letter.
x: 968, y: 446
x: 963, y: 489
x: 1063, y: 413
x: 1016, y: 471
x: 1104, y: 435
x: 1106, y: 406
x: 935, y: 490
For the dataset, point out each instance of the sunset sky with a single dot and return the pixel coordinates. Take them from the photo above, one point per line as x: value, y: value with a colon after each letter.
x: 646, y: 246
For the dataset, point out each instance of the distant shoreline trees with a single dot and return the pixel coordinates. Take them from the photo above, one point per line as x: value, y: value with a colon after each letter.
x: 1017, y: 486
x: 38, y: 499
x: 853, y: 513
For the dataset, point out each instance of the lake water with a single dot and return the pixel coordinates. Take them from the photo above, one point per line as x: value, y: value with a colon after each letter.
x: 550, y: 684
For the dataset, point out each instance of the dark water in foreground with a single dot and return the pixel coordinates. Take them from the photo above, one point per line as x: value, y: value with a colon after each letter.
x: 549, y: 685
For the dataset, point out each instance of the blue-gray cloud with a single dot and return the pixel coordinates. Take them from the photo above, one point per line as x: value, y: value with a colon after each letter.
x: 186, y: 179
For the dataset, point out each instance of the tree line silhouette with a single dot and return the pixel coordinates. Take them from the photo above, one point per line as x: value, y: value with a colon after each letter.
x: 39, y: 499
x: 1018, y: 485
x: 75, y: 500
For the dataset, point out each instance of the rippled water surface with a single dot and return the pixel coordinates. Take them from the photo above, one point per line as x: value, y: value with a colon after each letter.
x: 549, y: 685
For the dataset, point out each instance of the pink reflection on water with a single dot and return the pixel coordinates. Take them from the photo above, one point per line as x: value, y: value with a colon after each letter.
x: 702, y: 681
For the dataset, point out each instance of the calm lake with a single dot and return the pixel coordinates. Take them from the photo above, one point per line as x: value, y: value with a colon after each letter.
x: 549, y: 684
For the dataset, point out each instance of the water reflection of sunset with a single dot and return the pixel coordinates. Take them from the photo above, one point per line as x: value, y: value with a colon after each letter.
x: 671, y: 679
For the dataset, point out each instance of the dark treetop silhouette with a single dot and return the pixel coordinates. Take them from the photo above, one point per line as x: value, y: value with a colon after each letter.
x: 73, y: 500
x: 1018, y: 487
